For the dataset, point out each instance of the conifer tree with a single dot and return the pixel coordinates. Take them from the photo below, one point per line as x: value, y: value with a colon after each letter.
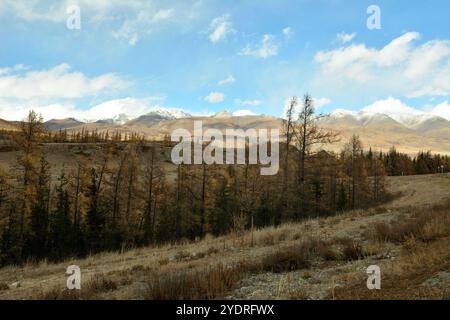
x: 61, y: 228
x: 27, y: 140
x: 11, y: 245
x: 37, y: 236
x: 223, y: 214
x: 95, y: 220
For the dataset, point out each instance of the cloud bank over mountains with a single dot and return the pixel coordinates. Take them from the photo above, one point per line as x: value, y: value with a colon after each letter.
x: 55, y: 93
x: 397, y: 74
x: 401, y: 67
x: 56, y: 82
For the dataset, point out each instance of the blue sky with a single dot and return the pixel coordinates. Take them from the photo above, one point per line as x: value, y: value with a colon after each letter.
x: 206, y: 56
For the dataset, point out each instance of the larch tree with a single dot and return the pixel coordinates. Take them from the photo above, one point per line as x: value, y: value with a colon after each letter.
x: 152, y: 182
x: 356, y: 170
x: 62, y: 238
x: 37, y: 235
x: 308, y: 135
x: 288, y: 130
x: 27, y: 140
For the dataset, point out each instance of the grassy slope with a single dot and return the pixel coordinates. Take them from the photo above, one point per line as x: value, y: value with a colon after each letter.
x: 317, y: 259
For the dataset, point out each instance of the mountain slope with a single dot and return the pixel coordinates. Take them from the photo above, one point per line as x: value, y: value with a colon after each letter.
x: 61, y: 124
x: 8, y: 125
x: 150, y: 119
x: 431, y: 124
x: 409, y: 133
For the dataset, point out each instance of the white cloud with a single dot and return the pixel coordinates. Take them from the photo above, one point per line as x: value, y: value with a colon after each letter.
x: 228, y: 80
x: 320, y: 102
x: 142, y: 24
x: 243, y: 113
x: 251, y: 103
x: 426, y: 57
x: 389, y: 106
x: 215, y: 97
x: 18, y: 111
x: 400, y: 67
x: 220, y: 27
x: 129, y: 21
x: 101, y: 10
x: 288, y: 32
x: 131, y: 107
x: 442, y: 110
x: 397, y: 51
x: 54, y: 92
x: 57, y: 82
x: 32, y: 10
x: 8, y: 70
x: 267, y: 48
x: 345, y: 37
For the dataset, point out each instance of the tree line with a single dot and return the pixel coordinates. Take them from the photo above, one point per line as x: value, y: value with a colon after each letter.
x: 399, y: 164
x: 127, y: 194
x: 82, y: 136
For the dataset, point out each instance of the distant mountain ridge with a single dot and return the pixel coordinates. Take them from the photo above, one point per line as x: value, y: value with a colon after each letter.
x: 157, y: 115
x: 61, y: 124
x: 416, y: 121
x: 410, y: 133
x: 421, y: 122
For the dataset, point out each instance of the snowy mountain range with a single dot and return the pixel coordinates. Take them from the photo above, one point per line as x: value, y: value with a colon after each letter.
x: 156, y: 113
x: 409, y: 132
x: 418, y: 121
x: 159, y: 113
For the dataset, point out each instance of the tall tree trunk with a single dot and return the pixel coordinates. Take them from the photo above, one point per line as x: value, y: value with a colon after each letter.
x: 202, y: 204
x: 116, y: 192
x: 178, y: 202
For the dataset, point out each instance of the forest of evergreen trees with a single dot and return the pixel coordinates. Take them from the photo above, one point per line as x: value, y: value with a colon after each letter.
x: 123, y: 196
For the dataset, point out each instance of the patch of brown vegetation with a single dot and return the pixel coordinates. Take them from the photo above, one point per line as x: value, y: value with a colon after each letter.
x: 93, y: 289
x: 207, y: 283
x: 405, y: 278
x: 425, y: 253
x: 424, y: 226
x: 101, y: 283
x: 3, y: 286
x: 352, y: 250
x: 287, y: 259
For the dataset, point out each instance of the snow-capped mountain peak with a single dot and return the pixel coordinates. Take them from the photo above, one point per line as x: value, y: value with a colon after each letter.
x: 341, y: 113
x: 414, y: 119
x: 158, y: 112
x: 169, y: 113
x: 223, y: 114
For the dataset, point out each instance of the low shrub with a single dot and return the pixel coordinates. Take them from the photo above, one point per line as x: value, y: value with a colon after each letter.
x: 287, y: 259
x: 425, y: 226
x: 208, y: 283
x: 101, y: 283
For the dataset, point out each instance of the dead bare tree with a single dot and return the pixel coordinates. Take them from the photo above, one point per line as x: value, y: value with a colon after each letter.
x: 288, y: 132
